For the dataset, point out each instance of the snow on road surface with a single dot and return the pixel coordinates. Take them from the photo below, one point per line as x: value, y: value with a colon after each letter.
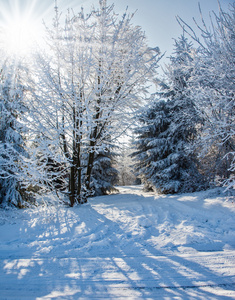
x: 132, y: 245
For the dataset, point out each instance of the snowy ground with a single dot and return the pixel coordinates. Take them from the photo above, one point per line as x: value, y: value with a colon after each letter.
x: 126, y: 246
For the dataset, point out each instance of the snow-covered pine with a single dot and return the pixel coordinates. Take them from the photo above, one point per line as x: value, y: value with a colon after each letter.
x: 87, y: 85
x: 170, y: 126
x: 151, y: 140
x: 212, y: 86
x: 12, y: 151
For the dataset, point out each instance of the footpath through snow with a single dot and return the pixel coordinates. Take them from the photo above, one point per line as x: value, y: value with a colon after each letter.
x: 131, y: 245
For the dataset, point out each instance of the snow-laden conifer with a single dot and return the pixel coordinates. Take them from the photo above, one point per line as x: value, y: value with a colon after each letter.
x: 12, y: 151
x: 104, y: 175
x: 169, y: 128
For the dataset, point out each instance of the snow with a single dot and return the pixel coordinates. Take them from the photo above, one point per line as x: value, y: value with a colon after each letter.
x: 132, y: 245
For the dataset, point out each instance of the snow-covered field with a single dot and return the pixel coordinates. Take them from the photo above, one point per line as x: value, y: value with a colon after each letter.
x: 130, y: 245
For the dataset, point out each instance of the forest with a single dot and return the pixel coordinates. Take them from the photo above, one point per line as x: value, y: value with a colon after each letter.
x: 62, y: 113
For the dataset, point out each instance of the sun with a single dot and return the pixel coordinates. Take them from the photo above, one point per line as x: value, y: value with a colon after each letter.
x: 21, y: 36
x: 21, y: 27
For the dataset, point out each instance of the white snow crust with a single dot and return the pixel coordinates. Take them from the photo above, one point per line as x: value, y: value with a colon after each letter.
x: 132, y: 245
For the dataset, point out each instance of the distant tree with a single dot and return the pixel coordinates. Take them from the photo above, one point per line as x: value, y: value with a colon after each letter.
x: 92, y: 78
x: 125, y: 164
x: 165, y: 154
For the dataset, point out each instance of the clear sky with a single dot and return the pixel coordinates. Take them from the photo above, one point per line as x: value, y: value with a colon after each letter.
x: 156, y: 17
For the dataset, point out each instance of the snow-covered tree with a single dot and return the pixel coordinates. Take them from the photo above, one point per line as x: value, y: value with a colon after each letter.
x: 12, y: 151
x: 151, y: 140
x: 213, y: 88
x: 91, y: 79
x: 165, y: 154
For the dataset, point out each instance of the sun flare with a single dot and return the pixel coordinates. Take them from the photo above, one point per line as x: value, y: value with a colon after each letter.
x: 21, y: 28
x: 21, y: 36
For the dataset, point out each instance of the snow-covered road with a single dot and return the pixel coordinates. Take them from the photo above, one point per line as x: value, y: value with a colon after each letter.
x: 131, y: 245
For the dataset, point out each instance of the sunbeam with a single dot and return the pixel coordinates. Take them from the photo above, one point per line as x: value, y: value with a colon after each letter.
x: 21, y: 27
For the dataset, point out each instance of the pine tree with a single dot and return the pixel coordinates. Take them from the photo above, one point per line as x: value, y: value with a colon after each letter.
x: 170, y: 128
x: 151, y: 141
x: 12, y: 151
x: 104, y: 175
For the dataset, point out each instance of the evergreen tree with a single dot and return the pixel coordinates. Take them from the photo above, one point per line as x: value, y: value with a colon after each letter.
x: 151, y: 141
x: 12, y: 151
x: 104, y: 175
x: 170, y: 128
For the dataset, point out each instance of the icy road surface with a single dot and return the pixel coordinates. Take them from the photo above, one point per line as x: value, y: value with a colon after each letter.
x: 132, y: 245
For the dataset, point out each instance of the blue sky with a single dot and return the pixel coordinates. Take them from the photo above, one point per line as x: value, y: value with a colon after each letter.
x: 156, y: 17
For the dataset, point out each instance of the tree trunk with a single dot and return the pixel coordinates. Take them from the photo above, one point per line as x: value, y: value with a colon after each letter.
x: 90, y: 165
x: 79, y: 172
x: 72, y: 186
